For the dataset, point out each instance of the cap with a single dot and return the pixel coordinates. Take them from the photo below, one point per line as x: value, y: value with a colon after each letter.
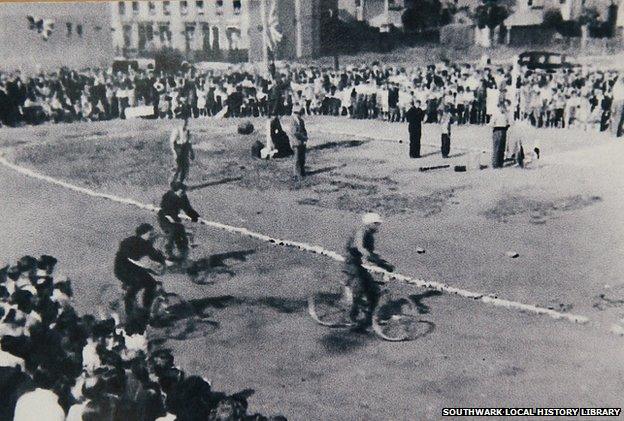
x: 371, y: 218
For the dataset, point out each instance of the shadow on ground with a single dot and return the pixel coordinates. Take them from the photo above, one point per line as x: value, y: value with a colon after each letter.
x: 201, y: 269
x: 279, y: 304
x: 338, y: 145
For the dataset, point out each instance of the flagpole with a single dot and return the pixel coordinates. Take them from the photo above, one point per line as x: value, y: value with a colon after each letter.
x: 265, y: 50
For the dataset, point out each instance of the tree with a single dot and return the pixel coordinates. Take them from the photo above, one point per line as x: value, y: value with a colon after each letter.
x: 590, y: 20
x: 590, y: 17
x: 553, y: 19
x: 491, y: 14
x: 422, y: 15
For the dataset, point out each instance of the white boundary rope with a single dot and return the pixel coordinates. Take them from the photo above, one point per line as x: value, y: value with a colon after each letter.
x: 485, y: 298
x: 388, y: 139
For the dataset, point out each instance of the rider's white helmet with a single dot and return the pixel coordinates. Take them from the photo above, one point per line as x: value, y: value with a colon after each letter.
x: 371, y: 218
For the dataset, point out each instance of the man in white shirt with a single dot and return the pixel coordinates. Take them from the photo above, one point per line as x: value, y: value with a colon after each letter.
x: 182, y: 150
x: 500, y: 123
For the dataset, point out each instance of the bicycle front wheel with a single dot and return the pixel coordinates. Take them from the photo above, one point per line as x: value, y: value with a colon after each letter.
x: 398, y: 320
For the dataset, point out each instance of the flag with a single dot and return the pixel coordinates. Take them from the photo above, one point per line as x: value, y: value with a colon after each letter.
x: 43, y: 26
x: 34, y: 23
x: 273, y: 34
x: 48, y: 27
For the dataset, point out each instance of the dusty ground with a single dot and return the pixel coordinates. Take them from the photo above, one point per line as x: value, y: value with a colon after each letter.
x: 562, y: 217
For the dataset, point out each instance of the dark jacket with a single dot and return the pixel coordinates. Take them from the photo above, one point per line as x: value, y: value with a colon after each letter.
x: 171, y: 204
x: 414, y: 117
x: 136, y: 248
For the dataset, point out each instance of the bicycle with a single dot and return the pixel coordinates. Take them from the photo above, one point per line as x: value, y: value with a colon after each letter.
x: 169, y: 315
x: 173, y: 317
x: 395, y: 318
x: 180, y: 258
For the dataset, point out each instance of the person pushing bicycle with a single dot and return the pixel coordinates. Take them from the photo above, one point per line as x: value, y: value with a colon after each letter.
x: 172, y: 202
x: 360, y: 287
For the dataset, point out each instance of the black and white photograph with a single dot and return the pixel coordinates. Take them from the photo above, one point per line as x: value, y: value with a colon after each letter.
x: 269, y: 210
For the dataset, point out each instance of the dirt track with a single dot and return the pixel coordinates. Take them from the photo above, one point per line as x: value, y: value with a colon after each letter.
x: 561, y: 218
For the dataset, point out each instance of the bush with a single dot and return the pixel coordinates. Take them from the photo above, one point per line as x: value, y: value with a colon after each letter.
x: 422, y: 15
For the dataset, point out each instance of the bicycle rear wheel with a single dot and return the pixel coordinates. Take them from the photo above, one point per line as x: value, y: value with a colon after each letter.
x: 330, y: 309
x: 397, y: 320
x: 174, y: 318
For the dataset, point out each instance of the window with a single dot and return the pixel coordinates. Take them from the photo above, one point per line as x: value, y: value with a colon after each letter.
x: 122, y: 8
x: 183, y: 7
x: 152, y: 7
x: 562, y: 1
x: 199, y: 5
x: 164, y: 32
x: 189, y: 36
x: 69, y: 29
x: 219, y: 7
x: 79, y: 30
x: 555, y: 59
x: 127, y: 33
x: 394, y: 5
x: 237, y: 7
x: 135, y: 7
x: 529, y: 3
x: 166, y: 7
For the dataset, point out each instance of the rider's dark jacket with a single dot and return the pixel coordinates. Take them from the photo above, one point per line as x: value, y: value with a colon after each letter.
x: 171, y: 204
x: 134, y: 248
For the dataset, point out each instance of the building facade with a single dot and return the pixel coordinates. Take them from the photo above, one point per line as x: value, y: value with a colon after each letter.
x: 374, y: 12
x: 201, y: 29
x: 214, y: 30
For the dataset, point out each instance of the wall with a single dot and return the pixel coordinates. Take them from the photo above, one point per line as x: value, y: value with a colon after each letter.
x: 21, y: 48
x: 457, y: 36
x: 530, y: 36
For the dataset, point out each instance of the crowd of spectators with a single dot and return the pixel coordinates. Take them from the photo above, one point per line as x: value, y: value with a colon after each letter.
x: 57, y: 365
x: 573, y: 96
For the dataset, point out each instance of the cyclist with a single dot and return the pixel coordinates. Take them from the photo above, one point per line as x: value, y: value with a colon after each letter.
x: 136, y: 277
x: 360, y: 287
x: 172, y: 202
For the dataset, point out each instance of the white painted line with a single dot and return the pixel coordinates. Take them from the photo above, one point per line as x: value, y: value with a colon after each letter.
x: 485, y: 298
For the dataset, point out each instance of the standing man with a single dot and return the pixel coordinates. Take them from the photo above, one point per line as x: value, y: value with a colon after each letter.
x: 135, y: 278
x: 298, y: 139
x: 414, y: 117
x: 500, y: 124
x: 180, y: 141
x: 445, y: 122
